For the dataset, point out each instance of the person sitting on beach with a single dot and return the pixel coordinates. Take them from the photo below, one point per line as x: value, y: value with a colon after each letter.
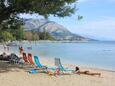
x: 4, y: 57
x: 77, y: 71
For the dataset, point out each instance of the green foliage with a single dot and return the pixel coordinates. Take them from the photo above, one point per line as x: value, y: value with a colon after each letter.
x: 11, y: 34
x: 45, y: 36
x: 19, y: 33
x: 6, y: 36
x: 10, y: 9
x: 33, y: 36
x: 28, y: 36
x: 80, y: 17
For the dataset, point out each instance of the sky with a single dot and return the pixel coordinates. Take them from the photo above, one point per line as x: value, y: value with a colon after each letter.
x: 98, y: 19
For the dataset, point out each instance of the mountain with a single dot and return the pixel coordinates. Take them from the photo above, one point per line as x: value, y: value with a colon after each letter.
x: 58, y: 31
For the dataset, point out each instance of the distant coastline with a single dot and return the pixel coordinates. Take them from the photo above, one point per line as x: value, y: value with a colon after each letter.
x: 64, y: 41
x: 56, y: 41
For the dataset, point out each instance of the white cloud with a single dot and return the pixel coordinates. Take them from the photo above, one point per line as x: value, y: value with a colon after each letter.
x: 101, y: 29
x: 33, y: 16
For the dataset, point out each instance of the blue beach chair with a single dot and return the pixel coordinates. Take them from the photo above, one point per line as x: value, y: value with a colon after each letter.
x: 60, y: 66
x: 37, y: 62
x: 39, y: 65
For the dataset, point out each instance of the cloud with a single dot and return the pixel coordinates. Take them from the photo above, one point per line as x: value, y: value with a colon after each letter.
x: 33, y: 16
x: 103, y: 29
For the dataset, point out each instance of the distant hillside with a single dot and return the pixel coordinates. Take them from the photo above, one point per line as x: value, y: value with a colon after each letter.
x: 59, y: 32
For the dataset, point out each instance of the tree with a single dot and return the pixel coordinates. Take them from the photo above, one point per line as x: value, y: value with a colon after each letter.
x: 80, y: 17
x: 35, y: 36
x: 28, y: 36
x: 45, y: 36
x: 19, y: 33
x: 9, y: 10
x: 6, y: 36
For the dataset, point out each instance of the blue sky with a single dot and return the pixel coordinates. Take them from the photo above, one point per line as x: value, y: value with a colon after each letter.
x: 98, y: 19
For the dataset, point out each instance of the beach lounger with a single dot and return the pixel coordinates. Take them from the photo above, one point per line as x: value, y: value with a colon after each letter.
x: 30, y: 59
x: 39, y: 65
x: 60, y: 66
x: 25, y: 58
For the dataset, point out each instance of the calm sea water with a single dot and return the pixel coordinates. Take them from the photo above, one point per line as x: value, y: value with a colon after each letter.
x: 92, y: 54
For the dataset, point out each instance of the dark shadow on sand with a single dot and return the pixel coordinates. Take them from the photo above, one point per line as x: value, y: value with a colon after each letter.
x: 6, y: 67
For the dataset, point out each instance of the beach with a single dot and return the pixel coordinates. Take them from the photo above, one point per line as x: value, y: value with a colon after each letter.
x: 18, y: 75
x: 57, y: 43
x: 14, y: 75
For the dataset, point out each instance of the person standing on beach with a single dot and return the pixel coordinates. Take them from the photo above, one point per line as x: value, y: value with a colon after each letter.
x: 21, y: 50
x: 4, y: 47
x: 8, y: 48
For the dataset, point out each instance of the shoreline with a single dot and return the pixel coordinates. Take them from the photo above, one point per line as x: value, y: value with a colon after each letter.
x: 82, y: 66
x: 13, y: 75
x: 51, y: 62
x: 69, y: 64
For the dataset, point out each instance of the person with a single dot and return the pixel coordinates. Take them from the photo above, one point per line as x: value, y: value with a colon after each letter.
x: 21, y: 50
x: 4, y: 57
x: 8, y: 48
x: 4, y: 47
x: 57, y: 71
x: 77, y: 71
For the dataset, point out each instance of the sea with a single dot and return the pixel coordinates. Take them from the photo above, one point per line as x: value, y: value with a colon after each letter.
x: 92, y: 54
